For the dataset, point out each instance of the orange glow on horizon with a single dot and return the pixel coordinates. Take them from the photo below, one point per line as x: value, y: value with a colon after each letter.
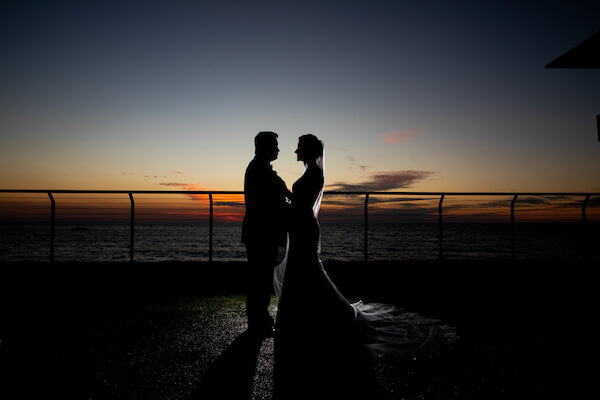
x: 230, y: 208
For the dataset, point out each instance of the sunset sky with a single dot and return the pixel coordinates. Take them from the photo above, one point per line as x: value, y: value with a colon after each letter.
x: 428, y: 95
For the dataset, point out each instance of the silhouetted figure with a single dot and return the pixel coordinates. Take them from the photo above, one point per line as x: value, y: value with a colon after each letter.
x: 318, y: 349
x: 324, y: 344
x: 263, y: 229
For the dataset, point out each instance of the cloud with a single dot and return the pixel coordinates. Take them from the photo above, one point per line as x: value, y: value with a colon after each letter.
x: 383, y: 181
x: 230, y: 203
x: 402, y: 201
x: 177, y: 184
x: 400, y: 136
x: 352, y: 159
x: 186, y: 186
x: 223, y: 201
x: 342, y: 200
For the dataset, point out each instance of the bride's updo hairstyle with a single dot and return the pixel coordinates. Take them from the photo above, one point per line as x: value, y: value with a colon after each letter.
x: 309, y: 147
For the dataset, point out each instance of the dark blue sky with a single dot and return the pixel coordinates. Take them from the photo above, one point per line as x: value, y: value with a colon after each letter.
x: 108, y: 94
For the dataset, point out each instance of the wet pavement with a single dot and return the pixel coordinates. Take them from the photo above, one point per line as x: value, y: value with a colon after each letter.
x: 114, y: 342
x: 142, y: 351
x: 165, y: 349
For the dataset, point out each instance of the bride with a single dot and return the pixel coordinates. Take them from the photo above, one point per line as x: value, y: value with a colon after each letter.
x: 323, y: 343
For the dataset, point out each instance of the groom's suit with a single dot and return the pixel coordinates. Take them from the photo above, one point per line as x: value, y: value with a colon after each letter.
x: 263, y: 232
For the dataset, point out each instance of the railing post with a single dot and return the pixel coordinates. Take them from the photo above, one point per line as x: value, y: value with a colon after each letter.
x: 366, y: 227
x: 52, y: 224
x: 210, y: 229
x: 441, y: 227
x: 583, y: 206
x: 131, y: 227
x: 584, y: 229
x: 512, y: 225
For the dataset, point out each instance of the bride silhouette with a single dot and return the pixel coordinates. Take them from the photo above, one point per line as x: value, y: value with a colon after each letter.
x: 323, y: 343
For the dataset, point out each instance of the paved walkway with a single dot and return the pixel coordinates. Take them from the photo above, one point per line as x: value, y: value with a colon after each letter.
x: 167, y: 349
x: 65, y: 341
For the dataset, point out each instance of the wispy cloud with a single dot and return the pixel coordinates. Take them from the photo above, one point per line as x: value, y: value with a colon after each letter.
x: 353, y: 160
x: 400, y: 136
x: 185, y: 186
x: 382, y: 181
x: 355, y: 163
x: 164, y: 176
x: 227, y: 207
x: 230, y: 203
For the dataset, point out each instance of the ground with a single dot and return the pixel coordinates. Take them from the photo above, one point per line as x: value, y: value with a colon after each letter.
x: 171, y: 331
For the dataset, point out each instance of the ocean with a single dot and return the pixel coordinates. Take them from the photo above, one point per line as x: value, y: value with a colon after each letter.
x: 159, y: 242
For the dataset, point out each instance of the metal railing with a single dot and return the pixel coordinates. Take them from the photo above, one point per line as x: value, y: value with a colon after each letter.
x: 210, y: 193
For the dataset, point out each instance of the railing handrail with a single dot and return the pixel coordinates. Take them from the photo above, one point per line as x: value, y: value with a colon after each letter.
x: 328, y: 192
x: 210, y: 193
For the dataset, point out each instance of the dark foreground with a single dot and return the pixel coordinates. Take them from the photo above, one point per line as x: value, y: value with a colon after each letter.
x: 176, y: 330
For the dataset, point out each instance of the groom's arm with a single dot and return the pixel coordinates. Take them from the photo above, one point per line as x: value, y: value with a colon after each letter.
x: 282, y: 189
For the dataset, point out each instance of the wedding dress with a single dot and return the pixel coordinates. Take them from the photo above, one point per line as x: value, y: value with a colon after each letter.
x: 323, y: 343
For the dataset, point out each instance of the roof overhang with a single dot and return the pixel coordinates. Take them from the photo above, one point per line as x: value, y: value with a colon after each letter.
x: 585, y: 55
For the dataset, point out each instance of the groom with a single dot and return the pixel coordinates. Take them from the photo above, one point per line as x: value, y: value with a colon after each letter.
x: 263, y: 229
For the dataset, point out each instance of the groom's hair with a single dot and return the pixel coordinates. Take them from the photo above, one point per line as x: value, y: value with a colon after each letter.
x: 264, y: 141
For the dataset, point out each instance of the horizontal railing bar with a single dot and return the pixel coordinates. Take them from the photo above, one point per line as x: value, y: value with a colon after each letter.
x: 61, y: 191
x: 327, y: 192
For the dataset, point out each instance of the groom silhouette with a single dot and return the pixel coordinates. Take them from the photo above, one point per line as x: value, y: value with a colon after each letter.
x: 263, y: 229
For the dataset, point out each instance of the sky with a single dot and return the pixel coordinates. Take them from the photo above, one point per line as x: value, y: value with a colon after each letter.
x: 406, y: 95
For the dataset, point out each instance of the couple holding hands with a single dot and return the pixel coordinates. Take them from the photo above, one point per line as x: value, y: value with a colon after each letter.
x: 323, y: 343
